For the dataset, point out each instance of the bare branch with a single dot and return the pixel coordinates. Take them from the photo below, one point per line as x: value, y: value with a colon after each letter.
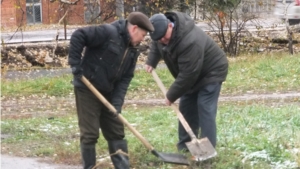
x: 61, y: 19
x: 21, y: 22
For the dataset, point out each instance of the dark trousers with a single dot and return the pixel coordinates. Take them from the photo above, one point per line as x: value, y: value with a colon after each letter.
x: 92, y: 116
x: 200, y: 110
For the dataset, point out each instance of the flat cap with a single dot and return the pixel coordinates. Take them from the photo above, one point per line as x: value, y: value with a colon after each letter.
x: 141, y: 20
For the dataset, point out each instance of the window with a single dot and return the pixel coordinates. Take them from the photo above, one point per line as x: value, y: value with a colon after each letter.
x: 286, y: 1
x: 33, y: 11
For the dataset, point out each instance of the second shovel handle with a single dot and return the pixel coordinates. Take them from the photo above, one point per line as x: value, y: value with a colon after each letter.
x: 175, y: 108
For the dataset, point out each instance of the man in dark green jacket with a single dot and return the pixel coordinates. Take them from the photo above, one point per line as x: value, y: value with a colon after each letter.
x: 108, y: 62
x: 199, y: 67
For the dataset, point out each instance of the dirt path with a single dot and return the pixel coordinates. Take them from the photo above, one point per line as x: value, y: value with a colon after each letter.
x: 48, y: 106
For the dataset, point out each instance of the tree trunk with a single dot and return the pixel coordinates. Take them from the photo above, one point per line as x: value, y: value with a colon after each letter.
x: 290, y: 38
x: 120, y: 9
x: 195, y: 6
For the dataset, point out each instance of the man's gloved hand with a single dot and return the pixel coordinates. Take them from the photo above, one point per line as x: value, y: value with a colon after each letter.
x: 114, y: 113
x: 118, y: 109
x: 77, y: 71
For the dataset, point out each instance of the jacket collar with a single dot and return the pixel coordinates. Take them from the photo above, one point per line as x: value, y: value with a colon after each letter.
x: 121, y: 26
x: 183, y: 24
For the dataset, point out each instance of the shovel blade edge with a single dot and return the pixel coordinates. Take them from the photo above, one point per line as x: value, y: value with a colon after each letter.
x: 172, y: 158
x: 201, y: 149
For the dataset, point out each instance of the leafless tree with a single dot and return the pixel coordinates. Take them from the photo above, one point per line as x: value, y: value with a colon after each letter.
x: 21, y: 23
x: 227, y: 21
x: 65, y: 6
x: 289, y: 32
x: 107, y: 11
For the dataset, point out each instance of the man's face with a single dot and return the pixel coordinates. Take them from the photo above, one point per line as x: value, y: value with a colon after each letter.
x: 166, y: 39
x: 137, y: 35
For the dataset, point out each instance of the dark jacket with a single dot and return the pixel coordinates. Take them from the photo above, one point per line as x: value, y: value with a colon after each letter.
x: 108, y: 61
x: 192, y: 57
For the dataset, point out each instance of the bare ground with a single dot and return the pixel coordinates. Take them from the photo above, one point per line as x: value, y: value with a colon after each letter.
x: 35, y: 106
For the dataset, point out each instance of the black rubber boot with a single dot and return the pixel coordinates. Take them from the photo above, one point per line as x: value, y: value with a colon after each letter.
x: 88, y: 155
x: 120, y: 161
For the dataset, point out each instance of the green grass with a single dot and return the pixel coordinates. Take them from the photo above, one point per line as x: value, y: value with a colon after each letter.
x: 252, y: 136
x: 262, y: 74
x: 258, y: 74
x: 52, y: 86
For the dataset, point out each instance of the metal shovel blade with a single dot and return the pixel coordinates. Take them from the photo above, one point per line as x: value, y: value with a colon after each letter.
x: 201, y: 149
x: 172, y: 158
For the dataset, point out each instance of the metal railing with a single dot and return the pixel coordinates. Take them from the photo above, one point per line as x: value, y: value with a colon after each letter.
x: 260, y: 8
x: 257, y: 7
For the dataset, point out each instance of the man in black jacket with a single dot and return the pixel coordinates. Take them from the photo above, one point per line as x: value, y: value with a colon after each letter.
x: 108, y: 62
x: 199, y: 67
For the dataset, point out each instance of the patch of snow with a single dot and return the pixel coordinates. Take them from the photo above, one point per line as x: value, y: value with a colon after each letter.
x: 67, y: 143
x: 287, y: 164
x: 284, y: 165
x: 258, y: 154
x: 49, y: 127
x: 295, y: 150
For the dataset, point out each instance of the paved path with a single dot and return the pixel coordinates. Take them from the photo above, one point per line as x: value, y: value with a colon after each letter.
x: 50, y: 34
x: 11, y: 162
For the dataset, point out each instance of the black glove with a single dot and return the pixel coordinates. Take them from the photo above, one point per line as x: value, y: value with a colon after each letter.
x: 115, y: 114
x: 77, y: 71
x: 118, y: 109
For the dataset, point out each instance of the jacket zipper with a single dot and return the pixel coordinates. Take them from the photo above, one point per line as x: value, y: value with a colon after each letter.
x: 123, y: 58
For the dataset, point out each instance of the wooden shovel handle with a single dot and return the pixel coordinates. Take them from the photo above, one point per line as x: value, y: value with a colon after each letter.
x: 175, y: 108
x: 113, y: 110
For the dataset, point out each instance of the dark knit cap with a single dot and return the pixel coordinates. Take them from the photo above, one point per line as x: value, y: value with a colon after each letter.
x: 141, y: 20
x: 160, y: 24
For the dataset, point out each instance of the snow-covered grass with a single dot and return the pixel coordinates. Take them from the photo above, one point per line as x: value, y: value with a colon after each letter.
x: 249, y: 136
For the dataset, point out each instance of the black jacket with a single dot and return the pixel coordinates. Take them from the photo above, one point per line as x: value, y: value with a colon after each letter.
x: 192, y: 57
x: 108, y: 61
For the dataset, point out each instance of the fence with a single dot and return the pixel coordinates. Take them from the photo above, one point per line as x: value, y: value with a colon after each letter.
x: 260, y: 8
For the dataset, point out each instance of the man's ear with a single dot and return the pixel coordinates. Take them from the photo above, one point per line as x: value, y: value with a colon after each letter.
x: 134, y: 28
x: 130, y: 29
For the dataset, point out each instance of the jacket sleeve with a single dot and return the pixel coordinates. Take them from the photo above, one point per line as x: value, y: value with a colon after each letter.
x: 154, y: 56
x: 190, y: 62
x: 93, y: 36
x: 121, y: 87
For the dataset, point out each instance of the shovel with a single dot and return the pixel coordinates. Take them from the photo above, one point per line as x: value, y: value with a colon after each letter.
x: 201, y: 149
x: 166, y: 157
